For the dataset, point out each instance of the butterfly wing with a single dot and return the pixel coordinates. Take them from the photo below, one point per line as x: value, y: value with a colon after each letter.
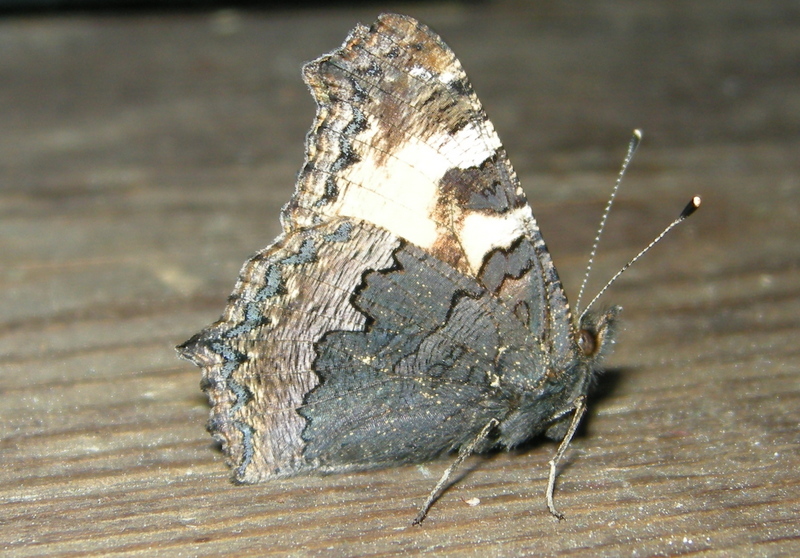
x: 257, y: 360
x: 424, y: 376
x: 411, y: 286
x: 401, y: 140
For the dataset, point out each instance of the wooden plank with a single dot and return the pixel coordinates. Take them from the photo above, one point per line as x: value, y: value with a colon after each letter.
x: 142, y: 158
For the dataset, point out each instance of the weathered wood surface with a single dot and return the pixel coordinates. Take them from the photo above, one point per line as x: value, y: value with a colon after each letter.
x: 143, y: 158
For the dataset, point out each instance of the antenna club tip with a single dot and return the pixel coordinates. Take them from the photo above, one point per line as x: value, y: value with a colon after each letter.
x: 691, y: 207
x: 636, y: 139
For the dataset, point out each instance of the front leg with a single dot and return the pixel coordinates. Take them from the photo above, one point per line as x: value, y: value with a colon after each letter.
x: 577, y: 411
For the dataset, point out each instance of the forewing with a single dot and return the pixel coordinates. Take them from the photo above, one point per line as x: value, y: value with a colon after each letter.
x: 401, y: 140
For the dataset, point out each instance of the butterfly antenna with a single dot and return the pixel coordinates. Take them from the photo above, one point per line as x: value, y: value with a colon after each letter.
x: 636, y: 139
x: 690, y: 208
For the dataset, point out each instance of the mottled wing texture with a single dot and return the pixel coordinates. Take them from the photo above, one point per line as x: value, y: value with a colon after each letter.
x: 411, y: 298
x: 423, y: 378
x: 401, y: 140
x: 257, y: 360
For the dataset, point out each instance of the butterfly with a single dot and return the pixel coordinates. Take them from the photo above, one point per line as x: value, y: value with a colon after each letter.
x: 410, y: 307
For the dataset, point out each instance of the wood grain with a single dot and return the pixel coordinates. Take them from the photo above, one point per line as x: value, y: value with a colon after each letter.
x: 143, y: 158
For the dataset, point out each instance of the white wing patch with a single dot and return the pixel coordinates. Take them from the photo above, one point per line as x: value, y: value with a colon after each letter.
x: 482, y: 232
x: 469, y: 147
x: 406, y: 182
x: 410, y: 175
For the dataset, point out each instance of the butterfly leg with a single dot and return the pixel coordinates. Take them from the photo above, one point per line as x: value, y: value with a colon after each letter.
x: 577, y: 413
x: 463, y: 453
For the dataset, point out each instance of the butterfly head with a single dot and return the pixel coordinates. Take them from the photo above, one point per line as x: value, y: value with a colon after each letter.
x: 596, y: 333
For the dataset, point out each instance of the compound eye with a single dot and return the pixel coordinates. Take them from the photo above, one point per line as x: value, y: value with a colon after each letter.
x: 587, y: 342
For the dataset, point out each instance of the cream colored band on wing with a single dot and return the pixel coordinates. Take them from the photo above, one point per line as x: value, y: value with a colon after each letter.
x: 482, y: 232
x: 402, y: 191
